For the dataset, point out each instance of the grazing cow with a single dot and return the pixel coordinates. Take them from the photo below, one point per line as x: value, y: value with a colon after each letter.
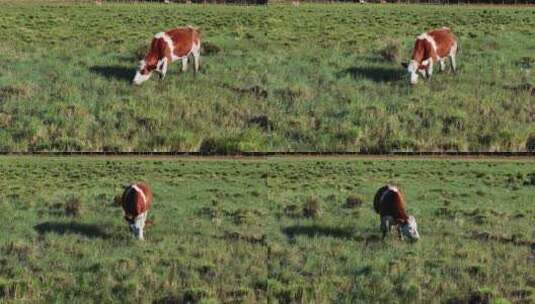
x: 166, y: 47
x: 389, y: 203
x: 136, y: 202
x: 433, y: 46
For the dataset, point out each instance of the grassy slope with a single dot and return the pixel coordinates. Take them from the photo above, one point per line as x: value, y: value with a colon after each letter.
x: 223, y: 232
x: 314, y: 72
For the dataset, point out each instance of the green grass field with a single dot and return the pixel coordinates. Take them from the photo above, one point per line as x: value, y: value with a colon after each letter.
x: 274, y: 78
x: 234, y: 231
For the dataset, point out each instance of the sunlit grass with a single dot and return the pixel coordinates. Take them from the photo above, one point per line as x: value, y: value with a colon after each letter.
x: 281, y: 79
x: 248, y: 231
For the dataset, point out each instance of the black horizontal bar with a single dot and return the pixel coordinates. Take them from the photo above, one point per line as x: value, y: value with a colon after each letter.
x: 262, y: 154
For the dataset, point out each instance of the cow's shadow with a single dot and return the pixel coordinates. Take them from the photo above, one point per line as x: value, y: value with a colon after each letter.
x: 114, y: 72
x: 318, y: 230
x: 377, y: 74
x: 88, y: 230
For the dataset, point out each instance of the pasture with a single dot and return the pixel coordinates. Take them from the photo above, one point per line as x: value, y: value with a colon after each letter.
x: 275, y: 78
x: 234, y: 231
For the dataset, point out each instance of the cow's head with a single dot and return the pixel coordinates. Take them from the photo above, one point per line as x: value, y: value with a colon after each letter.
x: 409, y: 229
x: 146, y: 67
x: 414, y: 67
x: 136, y: 225
x: 144, y: 72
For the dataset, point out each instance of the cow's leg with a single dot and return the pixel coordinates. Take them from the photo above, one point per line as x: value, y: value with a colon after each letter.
x: 162, y: 67
x: 453, y: 54
x: 383, y: 228
x: 453, y: 63
x: 140, y: 224
x: 197, y: 59
x: 442, y: 64
x: 430, y: 70
x: 400, y: 236
x: 386, y: 223
x: 141, y: 237
x: 185, y: 64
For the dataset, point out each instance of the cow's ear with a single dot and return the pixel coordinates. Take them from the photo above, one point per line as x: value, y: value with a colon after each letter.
x: 405, y: 64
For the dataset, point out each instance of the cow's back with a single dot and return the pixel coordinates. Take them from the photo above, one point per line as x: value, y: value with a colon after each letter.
x: 148, y: 193
x: 377, y: 203
x: 183, y: 40
x: 388, y: 202
x: 444, y: 40
x: 134, y: 203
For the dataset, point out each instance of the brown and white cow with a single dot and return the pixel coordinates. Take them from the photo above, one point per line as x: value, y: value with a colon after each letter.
x: 166, y: 47
x: 390, y: 205
x: 429, y: 48
x: 136, y: 202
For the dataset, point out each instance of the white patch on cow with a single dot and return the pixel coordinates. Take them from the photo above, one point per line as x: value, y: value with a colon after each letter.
x: 160, y: 35
x: 429, y: 39
x: 453, y: 54
x: 140, y: 78
x: 196, y: 51
x: 138, y: 225
x: 142, y: 64
x: 184, y: 64
x: 388, y: 190
x: 453, y: 50
x: 140, y: 191
x: 162, y: 66
x: 393, y: 189
x: 422, y: 72
x: 170, y: 44
x: 412, y: 68
x: 410, y: 229
x: 442, y: 64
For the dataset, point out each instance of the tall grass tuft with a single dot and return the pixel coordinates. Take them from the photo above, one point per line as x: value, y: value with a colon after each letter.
x: 391, y: 52
x: 354, y: 201
x: 74, y: 207
x: 312, y: 207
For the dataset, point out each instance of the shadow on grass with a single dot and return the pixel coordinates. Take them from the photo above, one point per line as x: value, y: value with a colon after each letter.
x: 318, y: 230
x: 88, y: 230
x: 377, y: 74
x: 114, y: 72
